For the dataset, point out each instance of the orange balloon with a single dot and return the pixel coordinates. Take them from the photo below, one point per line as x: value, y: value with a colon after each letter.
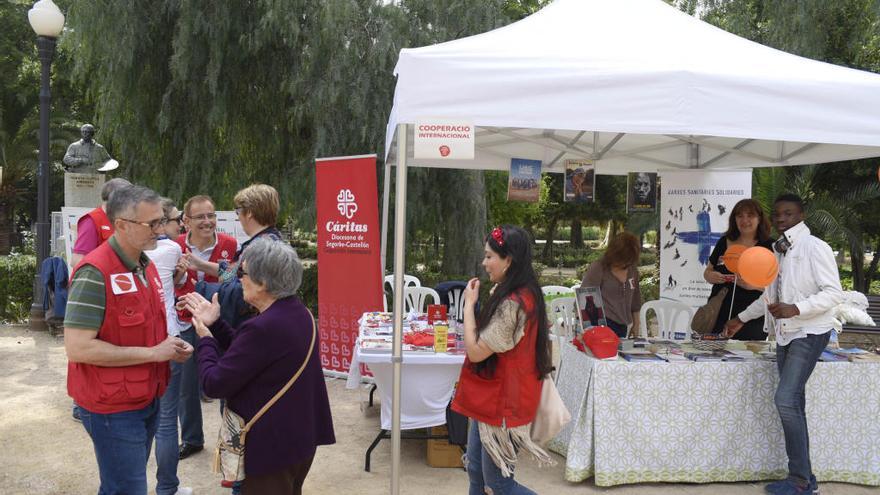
x: 758, y: 266
x: 731, y: 257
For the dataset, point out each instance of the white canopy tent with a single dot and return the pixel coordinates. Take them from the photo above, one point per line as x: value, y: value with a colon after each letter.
x: 634, y: 85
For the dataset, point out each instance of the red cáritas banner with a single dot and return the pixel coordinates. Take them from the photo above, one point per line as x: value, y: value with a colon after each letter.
x: 349, y: 267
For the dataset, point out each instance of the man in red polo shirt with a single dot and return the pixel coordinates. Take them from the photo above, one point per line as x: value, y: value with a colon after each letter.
x: 94, y: 227
x: 117, y: 344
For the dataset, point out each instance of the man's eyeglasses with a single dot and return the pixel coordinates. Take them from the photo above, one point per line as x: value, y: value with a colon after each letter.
x: 240, y: 271
x: 204, y: 216
x: 155, y: 224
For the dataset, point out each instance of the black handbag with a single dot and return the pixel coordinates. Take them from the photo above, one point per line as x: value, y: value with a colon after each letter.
x: 457, y: 425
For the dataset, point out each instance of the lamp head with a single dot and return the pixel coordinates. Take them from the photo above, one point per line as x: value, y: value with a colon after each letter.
x: 46, y: 19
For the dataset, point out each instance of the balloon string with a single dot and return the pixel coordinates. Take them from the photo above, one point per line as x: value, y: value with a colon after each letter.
x: 730, y: 315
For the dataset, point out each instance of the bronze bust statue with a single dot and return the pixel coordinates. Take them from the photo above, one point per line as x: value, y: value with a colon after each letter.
x: 86, y: 156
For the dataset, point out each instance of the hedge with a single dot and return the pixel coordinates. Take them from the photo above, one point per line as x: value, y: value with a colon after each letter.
x: 17, y: 272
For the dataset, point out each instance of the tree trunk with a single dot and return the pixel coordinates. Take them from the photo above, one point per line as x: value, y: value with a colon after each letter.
x: 858, y: 270
x: 611, y: 230
x: 577, y: 234
x: 465, y: 224
x: 547, y: 255
x: 872, y: 268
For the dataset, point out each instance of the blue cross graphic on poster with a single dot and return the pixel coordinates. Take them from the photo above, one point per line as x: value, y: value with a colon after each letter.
x: 695, y: 208
x: 703, y: 237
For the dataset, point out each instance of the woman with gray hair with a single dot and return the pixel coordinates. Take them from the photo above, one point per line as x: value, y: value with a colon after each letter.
x: 247, y: 366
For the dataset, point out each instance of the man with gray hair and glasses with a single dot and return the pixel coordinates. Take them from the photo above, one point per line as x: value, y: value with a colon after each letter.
x: 117, y: 344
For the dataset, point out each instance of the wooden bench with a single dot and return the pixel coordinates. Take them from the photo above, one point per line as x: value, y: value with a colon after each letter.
x: 874, y: 312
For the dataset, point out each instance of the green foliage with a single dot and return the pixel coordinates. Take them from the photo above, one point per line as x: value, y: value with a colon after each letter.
x: 649, y: 283
x: 16, y: 291
x: 308, y: 290
x: 19, y: 119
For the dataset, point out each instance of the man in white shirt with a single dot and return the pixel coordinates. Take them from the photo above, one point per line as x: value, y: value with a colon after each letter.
x: 797, y: 306
x: 166, y: 257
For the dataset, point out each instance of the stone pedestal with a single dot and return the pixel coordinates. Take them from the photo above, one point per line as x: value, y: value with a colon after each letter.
x: 83, y: 190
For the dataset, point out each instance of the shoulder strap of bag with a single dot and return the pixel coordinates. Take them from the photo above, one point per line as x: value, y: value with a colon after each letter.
x: 289, y: 384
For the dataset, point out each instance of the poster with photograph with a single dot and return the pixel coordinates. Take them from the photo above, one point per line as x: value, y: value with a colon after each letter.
x: 641, y: 192
x: 591, y: 310
x: 580, y: 176
x: 524, y: 183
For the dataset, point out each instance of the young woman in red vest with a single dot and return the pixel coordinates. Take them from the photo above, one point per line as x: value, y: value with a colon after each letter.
x: 508, y: 356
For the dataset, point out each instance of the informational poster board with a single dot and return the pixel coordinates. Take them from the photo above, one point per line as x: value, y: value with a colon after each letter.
x: 350, y: 274
x: 694, y: 209
x: 227, y: 223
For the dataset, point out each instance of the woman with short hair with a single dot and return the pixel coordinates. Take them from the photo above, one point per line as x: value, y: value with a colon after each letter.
x: 247, y: 366
x: 257, y: 207
x: 616, y: 274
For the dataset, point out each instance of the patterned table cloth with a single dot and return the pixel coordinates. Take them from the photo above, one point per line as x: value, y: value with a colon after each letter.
x: 711, y: 421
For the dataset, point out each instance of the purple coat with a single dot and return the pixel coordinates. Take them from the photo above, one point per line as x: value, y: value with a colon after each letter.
x: 260, y: 357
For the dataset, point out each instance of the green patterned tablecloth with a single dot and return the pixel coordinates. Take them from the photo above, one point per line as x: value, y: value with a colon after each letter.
x: 711, y: 421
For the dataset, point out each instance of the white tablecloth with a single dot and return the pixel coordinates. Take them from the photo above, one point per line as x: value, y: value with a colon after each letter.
x: 426, y: 382
x: 711, y: 421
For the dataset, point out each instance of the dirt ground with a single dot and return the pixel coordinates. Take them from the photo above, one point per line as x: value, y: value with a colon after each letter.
x: 45, y: 452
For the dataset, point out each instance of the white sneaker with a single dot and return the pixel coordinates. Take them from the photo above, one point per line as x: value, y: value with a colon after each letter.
x: 184, y: 490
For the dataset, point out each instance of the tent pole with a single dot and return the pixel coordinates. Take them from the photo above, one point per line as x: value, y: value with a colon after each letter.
x: 399, y: 258
x: 386, y: 198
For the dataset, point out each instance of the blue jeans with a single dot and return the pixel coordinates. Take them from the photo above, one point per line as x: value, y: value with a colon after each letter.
x: 483, y: 472
x: 796, y: 362
x: 166, y: 436
x: 190, y: 407
x: 122, y: 444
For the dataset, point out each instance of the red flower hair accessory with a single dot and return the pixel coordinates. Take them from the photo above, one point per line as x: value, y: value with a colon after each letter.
x: 498, y: 235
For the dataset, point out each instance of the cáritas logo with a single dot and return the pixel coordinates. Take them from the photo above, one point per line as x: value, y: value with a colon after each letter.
x: 346, y: 204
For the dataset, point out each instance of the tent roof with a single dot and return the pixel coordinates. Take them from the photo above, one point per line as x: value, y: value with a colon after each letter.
x: 639, y: 86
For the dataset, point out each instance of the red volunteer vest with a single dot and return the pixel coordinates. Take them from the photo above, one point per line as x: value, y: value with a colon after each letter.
x: 134, y: 317
x: 512, y: 394
x: 224, y: 250
x: 102, y: 224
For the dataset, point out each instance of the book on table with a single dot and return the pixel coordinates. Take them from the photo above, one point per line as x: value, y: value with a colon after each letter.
x: 640, y: 355
x: 830, y: 357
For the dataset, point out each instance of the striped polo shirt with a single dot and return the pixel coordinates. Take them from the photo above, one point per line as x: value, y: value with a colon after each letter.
x: 86, y: 298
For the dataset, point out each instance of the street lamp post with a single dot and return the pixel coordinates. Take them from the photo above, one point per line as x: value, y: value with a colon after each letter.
x: 47, y: 21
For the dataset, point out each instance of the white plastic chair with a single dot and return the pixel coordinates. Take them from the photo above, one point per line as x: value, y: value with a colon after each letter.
x: 416, y: 298
x: 575, y: 287
x: 456, y: 303
x: 563, y: 315
x: 556, y: 290
x: 408, y: 281
x: 672, y: 317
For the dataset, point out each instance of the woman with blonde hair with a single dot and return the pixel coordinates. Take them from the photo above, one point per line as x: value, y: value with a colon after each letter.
x: 257, y: 207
